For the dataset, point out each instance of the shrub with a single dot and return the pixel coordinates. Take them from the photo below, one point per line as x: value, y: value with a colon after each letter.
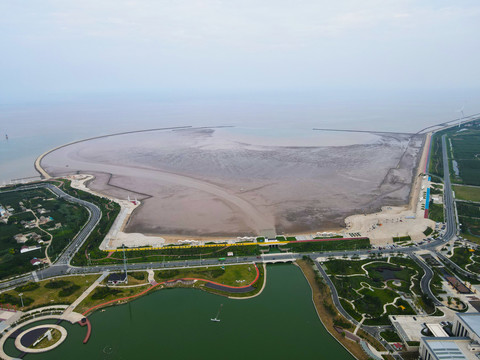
x: 27, y: 287
x: 138, y: 275
x: 68, y: 290
x: 104, y: 291
x: 56, y: 284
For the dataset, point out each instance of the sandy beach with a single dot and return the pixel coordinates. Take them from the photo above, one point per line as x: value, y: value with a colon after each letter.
x: 208, y: 182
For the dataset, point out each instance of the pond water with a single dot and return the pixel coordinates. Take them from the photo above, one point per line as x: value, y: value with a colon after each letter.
x: 280, y: 323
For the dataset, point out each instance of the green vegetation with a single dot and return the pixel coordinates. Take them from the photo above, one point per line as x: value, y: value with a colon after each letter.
x: 232, y: 275
x: 192, y: 252
x: 373, y: 287
x: 14, y: 299
x: 110, y: 210
x: 428, y: 231
x: 102, y: 292
x: 466, y: 151
x: 30, y: 286
x: 57, y: 219
x: 48, y: 292
x: 183, y: 253
x: 469, y: 217
x: 435, y: 212
x: 468, y: 193
x: 69, y: 290
x: 436, y: 162
x: 390, y: 336
x: 330, y: 245
x: 45, y: 343
x: 462, y: 256
x: 343, y: 267
x: 56, y: 284
x: 402, y: 238
x: 138, y: 275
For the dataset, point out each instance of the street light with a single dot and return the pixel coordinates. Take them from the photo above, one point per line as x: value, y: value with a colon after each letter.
x: 21, y: 298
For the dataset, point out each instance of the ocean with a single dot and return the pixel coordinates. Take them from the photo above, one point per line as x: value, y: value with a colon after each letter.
x: 35, y: 128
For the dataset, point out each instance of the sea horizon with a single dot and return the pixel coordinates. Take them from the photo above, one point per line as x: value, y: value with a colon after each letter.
x: 33, y: 128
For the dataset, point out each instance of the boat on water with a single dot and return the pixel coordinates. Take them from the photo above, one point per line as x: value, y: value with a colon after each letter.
x: 217, y: 318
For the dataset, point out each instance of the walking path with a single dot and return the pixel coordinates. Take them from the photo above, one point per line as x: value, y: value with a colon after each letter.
x: 359, y: 324
x: 151, y: 277
x: 87, y: 292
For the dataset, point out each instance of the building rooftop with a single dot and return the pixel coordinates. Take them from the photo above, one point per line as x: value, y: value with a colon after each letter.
x: 117, y: 277
x: 450, y: 348
x: 472, y: 320
x: 437, y: 330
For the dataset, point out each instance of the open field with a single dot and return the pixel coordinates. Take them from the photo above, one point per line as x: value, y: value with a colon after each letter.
x: 466, y: 152
x: 469, y: 217
x: 204, y: 182
x: 469, y: 193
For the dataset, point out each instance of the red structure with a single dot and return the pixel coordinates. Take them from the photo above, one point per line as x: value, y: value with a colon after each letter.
x: 84, y: 322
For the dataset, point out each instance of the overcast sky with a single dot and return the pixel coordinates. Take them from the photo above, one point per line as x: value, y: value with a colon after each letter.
x: 66, y: 48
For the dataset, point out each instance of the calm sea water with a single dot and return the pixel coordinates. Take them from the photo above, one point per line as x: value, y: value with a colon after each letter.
x: 280, y: 323
x: 33, y: 129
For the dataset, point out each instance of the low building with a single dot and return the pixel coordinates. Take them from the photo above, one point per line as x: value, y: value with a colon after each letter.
x: 25, y: 248
x: 468, y: 325
x: 117, y: 278
x: 463, y: 346
x: 35, y: 262
x: 449, y: 348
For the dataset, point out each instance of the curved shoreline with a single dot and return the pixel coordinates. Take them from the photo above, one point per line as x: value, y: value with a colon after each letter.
x: 43, y: 173
x: 169, y: 281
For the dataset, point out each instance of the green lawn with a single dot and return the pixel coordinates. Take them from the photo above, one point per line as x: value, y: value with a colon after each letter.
x: 232, y: 275
x: 44, y: 295
x: 346, y: 267
x: 390, y: 336
x: 468, y: 193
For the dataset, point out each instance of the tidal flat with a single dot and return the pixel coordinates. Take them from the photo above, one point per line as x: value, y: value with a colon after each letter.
x: 223, y: 182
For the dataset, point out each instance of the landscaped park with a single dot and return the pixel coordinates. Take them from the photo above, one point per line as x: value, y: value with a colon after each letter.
x: 371, y: 289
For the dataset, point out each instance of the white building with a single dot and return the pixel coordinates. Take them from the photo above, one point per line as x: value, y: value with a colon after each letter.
x: 467, y: 325
x: 449, y: 348
x: 463, y: 346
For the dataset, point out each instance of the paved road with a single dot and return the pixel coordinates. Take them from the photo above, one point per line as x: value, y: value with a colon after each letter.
x: 450, y: 218
x: 61, y: 264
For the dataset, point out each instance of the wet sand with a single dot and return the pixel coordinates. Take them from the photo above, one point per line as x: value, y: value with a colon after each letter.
x: 212, y: 182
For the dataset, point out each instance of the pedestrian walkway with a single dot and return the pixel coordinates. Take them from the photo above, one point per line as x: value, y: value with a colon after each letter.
x: 87, y: 292
x: 359, y: 324
x: 151, y: 277
x: 35, y: 276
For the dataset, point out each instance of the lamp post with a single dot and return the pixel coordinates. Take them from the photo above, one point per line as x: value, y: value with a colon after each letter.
x: 21, y: 298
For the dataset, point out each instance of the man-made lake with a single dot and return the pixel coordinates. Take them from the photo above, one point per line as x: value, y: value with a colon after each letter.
x: 281, y: 323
